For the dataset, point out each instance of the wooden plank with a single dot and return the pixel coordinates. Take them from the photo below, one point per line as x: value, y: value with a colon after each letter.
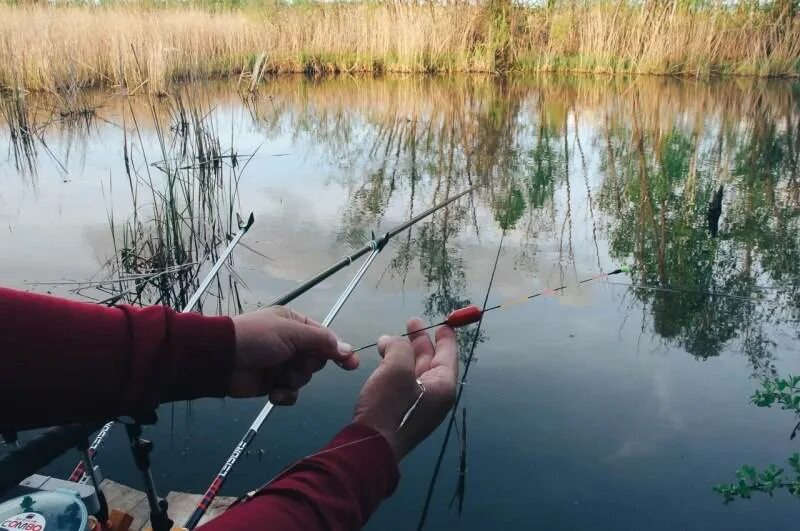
x: 181, y: 504
x: 126, y: 499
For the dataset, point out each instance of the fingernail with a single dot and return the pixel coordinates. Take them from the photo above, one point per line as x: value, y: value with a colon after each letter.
x: 345, y: 349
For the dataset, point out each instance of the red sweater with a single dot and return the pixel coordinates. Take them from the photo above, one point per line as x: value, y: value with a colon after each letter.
x: 90, y: 362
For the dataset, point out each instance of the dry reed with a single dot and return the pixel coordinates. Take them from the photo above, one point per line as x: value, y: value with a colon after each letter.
x: 136, y: 47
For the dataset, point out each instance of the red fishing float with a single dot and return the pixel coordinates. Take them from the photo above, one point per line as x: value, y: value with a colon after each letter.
x: 464, y: 316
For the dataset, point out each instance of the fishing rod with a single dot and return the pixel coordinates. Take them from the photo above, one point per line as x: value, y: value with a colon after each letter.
x: 78, y: 473
x: 251, y: 433
x: 368, y: 247
x: 472, y: 313
x: 374, y: 247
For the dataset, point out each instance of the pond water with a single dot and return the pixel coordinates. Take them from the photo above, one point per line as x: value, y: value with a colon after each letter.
x: 606, y: 406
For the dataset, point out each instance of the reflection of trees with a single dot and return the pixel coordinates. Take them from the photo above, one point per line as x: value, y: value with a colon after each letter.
x: 664, y: 150
x: 659, y: 182
x: 460, y: 133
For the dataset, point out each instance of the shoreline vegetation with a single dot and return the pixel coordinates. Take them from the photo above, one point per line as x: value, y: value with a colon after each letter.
x: 147, y: 47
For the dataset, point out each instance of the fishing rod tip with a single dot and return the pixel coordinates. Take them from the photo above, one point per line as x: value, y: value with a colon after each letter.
x: 250, y: 220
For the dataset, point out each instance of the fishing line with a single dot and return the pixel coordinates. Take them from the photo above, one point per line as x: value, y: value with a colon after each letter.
x: 669, y: 289
x: 472, y: 314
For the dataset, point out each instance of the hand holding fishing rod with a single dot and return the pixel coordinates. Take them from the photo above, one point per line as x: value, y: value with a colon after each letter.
x: 79, y: 471
x: 213, y: 489
x: 277, y: 352
x: 373, y: 247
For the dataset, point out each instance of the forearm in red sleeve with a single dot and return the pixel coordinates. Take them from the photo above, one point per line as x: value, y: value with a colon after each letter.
x: 336, y: 489
x: 63, y: 360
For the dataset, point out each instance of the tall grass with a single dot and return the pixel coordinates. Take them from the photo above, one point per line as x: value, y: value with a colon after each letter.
x: 143, y: 47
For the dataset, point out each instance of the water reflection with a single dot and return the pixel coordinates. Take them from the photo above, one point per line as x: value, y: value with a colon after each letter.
x: 718, y: 158
x: 695, y: 186
x: 661, y: 187
x: 698, y: 186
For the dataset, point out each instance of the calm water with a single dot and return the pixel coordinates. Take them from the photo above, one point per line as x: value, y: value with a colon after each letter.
x: 605, y: 408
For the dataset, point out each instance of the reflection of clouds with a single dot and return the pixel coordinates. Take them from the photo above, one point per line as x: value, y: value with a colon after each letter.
x: 666, y: 419
x: 98, y: 238
x: 297, y: 231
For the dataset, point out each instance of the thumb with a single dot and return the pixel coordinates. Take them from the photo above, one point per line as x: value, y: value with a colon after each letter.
x: 315, y: 341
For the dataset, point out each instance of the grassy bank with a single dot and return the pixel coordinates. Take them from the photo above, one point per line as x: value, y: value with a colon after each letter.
x: 147, y: 48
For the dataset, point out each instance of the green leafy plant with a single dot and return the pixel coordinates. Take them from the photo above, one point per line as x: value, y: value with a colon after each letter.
x: 749, y: 480
x: 774, y: 391
x: 780, y: 391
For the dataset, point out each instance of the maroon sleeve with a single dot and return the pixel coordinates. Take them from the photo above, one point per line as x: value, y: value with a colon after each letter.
x: 63, y: 361
x: 336, y: 489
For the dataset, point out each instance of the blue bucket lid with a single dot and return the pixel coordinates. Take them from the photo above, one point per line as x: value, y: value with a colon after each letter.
x: 44, y: 511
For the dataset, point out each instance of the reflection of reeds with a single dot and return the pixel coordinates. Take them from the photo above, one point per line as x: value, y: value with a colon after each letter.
x: 17, y: 117
x: 182, y: 213
x: 135, y: 46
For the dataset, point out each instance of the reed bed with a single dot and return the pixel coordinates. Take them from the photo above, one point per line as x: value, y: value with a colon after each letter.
x: 184, y: 207
x: 141, y: 47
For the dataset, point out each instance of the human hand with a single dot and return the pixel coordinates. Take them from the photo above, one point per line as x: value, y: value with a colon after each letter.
x: 277, y: 352
x: 391, y: 390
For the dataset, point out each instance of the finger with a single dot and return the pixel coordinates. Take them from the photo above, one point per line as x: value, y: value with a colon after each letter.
x: 292, y: 379
x: 350, y: 363
x: 397, y: 352
x: 421, y: 342
x: 382, y: 343
x: 311, y: 364
x: 288, y: 313
x: 308, y: 365
x: 316, y: 342
x: 246, y: 384
x: 283, y: 397
x: 446, y: 351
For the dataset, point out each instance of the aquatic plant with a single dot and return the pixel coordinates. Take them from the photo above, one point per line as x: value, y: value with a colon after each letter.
x: 183, y: 210
x: 18, y: 119
x: 784, y: 392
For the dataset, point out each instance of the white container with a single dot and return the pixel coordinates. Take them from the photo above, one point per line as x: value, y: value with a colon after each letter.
x: 44, y: 511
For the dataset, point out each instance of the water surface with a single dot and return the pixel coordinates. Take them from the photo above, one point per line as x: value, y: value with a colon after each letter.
x: 605, y: 407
